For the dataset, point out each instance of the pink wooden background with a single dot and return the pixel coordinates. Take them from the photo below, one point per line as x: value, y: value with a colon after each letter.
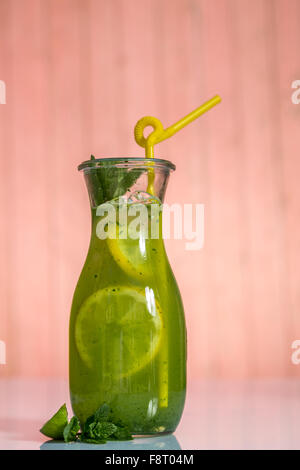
x: 79, y: 73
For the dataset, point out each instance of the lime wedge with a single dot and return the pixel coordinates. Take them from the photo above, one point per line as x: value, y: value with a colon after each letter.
x: 118, y: 330
x: 54, y: 428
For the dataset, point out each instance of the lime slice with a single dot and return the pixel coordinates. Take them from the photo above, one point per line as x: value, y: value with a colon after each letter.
x: 55, y: 426
x: 118, y: 330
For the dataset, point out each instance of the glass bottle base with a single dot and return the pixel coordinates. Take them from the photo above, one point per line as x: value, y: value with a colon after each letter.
x: 154, y: 434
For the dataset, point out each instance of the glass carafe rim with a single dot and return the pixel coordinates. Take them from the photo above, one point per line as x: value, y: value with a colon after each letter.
x: 127, y: 162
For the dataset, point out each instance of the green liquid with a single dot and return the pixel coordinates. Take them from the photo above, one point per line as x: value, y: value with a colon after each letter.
x: 128, y: 336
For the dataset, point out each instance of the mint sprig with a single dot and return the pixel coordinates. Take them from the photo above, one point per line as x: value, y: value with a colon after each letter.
x: 98, y: 428
x: 107, y: 183
x: 99, y: 432
x: 103, y: 426
x: 71, y: 430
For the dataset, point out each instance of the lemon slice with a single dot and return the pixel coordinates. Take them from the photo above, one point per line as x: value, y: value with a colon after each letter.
x: 131, y: 255
x: 135, y: 255
x: 118, y: 330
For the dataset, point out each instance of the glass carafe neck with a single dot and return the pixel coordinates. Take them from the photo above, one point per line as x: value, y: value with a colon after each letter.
x: 108, y: 179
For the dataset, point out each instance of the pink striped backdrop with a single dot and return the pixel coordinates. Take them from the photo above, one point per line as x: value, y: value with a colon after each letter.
x: 79, y: 74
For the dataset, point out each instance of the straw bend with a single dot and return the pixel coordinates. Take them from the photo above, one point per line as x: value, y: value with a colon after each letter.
x: 159, y: 133
x: 142, y: 124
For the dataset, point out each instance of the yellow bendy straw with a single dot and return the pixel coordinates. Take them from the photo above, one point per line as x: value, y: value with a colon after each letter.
x: 159, y: 133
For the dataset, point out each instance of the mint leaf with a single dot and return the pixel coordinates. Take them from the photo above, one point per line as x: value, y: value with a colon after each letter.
x: 98, y: 432
x: 55, y: 426
x: 87, y: 424
x: 102, y: 414
x: 104, y: 430
x: 90, y: 431
x: 107, y: 183
x: 71, y: 429
x: 116, y: 181
x: 122, y: 434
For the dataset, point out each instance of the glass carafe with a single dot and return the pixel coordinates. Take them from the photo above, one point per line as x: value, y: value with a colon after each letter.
x: 127, y: 327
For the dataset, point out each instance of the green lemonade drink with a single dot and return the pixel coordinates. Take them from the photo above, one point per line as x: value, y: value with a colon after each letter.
x: 127, y: 327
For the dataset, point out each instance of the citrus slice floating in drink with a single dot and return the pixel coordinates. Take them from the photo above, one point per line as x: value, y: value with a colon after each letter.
x: 131, y: 255
x: 118, y: 330
x: 135, y: 256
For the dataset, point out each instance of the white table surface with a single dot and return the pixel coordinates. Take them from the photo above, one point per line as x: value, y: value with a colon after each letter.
x: 262, y: 414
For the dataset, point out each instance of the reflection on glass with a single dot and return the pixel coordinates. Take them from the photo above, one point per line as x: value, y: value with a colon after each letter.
x: 166, y: 442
